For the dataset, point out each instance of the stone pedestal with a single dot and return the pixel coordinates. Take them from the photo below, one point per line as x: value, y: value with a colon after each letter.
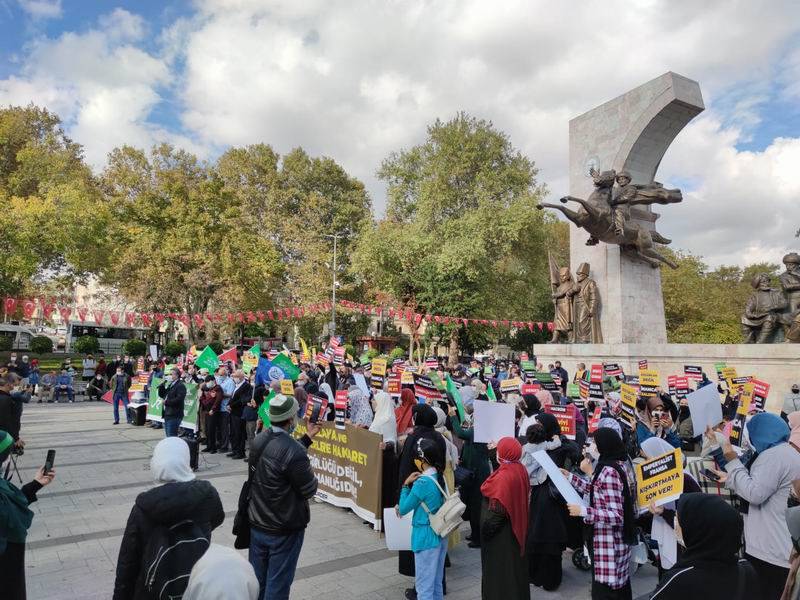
x: 631, y: 132
x: 777, y: 364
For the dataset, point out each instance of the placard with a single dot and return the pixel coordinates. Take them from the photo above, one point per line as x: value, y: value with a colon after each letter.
x: 693, y: 372
x: 316, y: 407
x: 594, y: 420
x: 493, y: 421
x: 573, y: 390
x: 565, y: 415
x: 508, y: 386
x: 546, y: 381
x: 705, y: 408
x: 627, y: 406
x: 681, y: 387
x: 659, y: 479
x: 287, y: 387
x: 649, y: 382
x: 760, y: 393
x: 398, y: 529
x: 425, y: 389
x: 529, y: 389
x: 393, y: 385
x: 340, y: 407
x: 596, y: 374
x: 613, y: 370
x: 643, y: 365
x: 378, y: 373
x: 671, y: 384
x: 557, y: 477
x: 153, y: 352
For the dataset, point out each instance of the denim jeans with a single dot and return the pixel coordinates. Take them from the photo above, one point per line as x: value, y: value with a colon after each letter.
x: 117, y: 399
x: 69, y: 392
x: 171, y: 427
x: 274, y: 559
x: 429, y: 567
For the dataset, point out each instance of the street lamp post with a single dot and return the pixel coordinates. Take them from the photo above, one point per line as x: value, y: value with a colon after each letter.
x: 335, y: 237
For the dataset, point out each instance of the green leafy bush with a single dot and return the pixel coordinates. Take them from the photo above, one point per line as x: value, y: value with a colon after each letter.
x: 6, y: 342
x: 134, y: 347
x: 173, y: 349
x: 397, y: 352
x: 217, y: 346
x: 40, y: 344
x: 86, y: 344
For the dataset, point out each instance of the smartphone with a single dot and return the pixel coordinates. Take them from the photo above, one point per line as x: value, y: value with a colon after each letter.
x: 709, y: 474
x: 48, y: 462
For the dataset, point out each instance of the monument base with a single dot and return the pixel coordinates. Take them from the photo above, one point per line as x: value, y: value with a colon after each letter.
x: 777, y: 364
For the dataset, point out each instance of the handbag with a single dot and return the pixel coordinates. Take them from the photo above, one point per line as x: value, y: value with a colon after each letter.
x: 241, y: 522
x: 445, y: 520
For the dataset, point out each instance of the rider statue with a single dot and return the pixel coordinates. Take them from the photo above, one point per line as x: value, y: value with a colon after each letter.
x: 621, y: 200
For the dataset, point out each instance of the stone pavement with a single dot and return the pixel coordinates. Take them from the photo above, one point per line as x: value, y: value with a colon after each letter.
x: 79, y: 519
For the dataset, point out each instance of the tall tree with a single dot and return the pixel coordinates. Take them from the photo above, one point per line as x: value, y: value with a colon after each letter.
x: 462, y: 235
x: 52, y: 221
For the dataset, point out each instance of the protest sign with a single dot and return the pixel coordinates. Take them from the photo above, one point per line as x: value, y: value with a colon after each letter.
x: 594, y: 420
x: 407, y: 377
x: 760, y: 393
x: 596, y: 374
x: 681, y: 387
x: 529, y: 388
x: 565, y: 415
x: 191, y: 405
x: 378, y: 373
x: 263, y: 410
x: 229, y: 355
x: 660, y: 479
x: 340, y: 406
x: 508, y: 386
x: 493, y: 421
x: 583, y: 388
x: 398, y: 529
x: 546, y: 381
x: 693, y: 372
x: 649, y: 382
x: 727, y: 373
x: 348, y: 464
x: 250, y: 359
x: 316, y: 407
x: 425, y: 389
x: 643, y: 365
x: 155, y: 405
x: 671, y: 384
x: 287, y: 387
x: 528, y: 367
x: 338, y: 356
x: 573, y: 390
x: 705, y: 408
x: 393, y: 385
x: 523, y: 356
x: 557, y: 477
x: 718, y: 368
x: 613, y: 370
x: 153, y: 352
x: 628, y: 397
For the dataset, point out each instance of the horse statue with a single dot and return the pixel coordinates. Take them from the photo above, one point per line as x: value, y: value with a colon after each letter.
x: 596, y: 215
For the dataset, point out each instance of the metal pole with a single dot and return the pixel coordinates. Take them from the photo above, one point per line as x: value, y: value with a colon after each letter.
x: 333, y: 303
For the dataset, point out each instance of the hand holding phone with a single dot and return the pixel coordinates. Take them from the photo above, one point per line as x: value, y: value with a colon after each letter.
x: 49, y: 461
x: 709, y: 474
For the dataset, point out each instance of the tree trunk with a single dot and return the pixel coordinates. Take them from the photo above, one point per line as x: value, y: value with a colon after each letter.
x: 452, y: 356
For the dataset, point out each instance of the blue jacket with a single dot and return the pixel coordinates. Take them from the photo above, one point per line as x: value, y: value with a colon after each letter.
x: 423, y: 490
x: 643, y: 433
x: 64, y: 380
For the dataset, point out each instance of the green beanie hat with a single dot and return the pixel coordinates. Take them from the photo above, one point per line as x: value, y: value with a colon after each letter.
x: 282, y: 408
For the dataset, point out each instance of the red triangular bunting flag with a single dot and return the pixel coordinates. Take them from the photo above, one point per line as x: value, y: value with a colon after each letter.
x: 540, y: 325
x: 114, y: 317
x: 550, y: 326
x: 82, y: 311
x: 28, y: 307
x: 98, y: 316
x: 65, y: 312
x: 130, y: 319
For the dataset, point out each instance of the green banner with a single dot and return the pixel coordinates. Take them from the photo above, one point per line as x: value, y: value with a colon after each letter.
x: 573, y: 390
x: 155, y: 405
x: 190, y: 406
x: 285, y: 364
x: 451, y: 387
x: 208, y: 359
x: 263, y: 410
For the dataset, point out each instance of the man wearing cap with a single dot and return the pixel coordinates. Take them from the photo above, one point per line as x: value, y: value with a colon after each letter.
x: 282, y: 484
x: 791, y: 401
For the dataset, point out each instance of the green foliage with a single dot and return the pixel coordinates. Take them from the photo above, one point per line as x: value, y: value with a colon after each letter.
x: 173, y: 349
x: 704, y: 306
x: 254, y: 330
x: 86, y: 344
x: 6, y: 342
x: 397, y: 352
x: 350, y: 349
x: 41, y: 344
x: 134, y: 347
x: 216, y: 346
x: 372, y: 353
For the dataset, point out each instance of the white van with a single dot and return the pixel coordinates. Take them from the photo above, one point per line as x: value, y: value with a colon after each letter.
x: 20, y: 335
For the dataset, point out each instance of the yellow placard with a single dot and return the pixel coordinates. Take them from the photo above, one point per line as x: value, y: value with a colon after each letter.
x: 649, y: 377
x: 378, y: 367
x: 727, y: 373
x: 510, y: 385
x: 407, y: 377
x: 628, y: 396
x: 287, y: 387
x: 660, y: 479
x: 745, y: 399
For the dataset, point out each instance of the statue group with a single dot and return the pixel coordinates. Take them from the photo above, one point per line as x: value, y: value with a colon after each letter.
x: 772, y: 313
x: 577, y: 306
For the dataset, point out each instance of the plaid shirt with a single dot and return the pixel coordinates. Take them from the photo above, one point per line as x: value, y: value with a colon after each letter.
x: 611, y: 556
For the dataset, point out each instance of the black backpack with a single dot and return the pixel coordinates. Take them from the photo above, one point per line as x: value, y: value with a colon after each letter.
x: 169, y: 557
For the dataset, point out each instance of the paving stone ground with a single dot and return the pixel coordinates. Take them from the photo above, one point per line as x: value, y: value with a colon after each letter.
x: 79, y: 519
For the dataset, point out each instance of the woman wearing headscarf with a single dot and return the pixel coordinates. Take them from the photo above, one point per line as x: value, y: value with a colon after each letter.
x: 547, y: 527
x: 358, y: 403
x: 222, y: 574
x: 403, y: 412
x: 504, y: 526
x: 791, y: 590
x: 711, y: 532
x: 301, y: 396
x: 331, y: 378
x: 424, y: 420
x: 765, y: 483
x: 180, y: 497
x: 655, y: 421
x: 475, y: 457
x: 794, y: 426
x: 451, y: 461
x: 610, y: 515
x: 385, y: 425
x: 326, y: 389
x: 15, y: 520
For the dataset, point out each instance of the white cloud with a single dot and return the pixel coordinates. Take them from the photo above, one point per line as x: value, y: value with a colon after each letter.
x: 42, y: 9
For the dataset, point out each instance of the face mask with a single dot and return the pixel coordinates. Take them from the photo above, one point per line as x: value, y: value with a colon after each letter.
x: 210, y: 385
x: 99, y: 377
x: 418, y: 464
x: 592, y: 451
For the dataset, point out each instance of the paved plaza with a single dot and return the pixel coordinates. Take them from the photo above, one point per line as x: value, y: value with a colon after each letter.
x: 79, y: 519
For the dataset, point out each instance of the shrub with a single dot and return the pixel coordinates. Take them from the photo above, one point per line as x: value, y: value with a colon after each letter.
x: 135, y: 347
x: 173, y: 349
x: 348, y: 349
x: 372, y: 353
x: 397, y: 352
x: 217, y: 346
x: 6, y: 342
x: 40, y: 344
x: 86, y: 344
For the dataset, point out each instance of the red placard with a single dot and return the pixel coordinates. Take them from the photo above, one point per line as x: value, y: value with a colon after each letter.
x: 393, y: 384
x: 643, y: 365
x: 565, y: 416
x: 596, y: 374
x: 529, y: 388
x: 594, y: 420
x: 340, y: 406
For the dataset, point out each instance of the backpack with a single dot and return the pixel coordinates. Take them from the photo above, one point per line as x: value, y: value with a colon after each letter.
x: 169, y: 557
x: 448, y: 517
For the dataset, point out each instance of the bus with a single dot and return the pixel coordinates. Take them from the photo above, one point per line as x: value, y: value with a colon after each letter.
x: 111, y: 339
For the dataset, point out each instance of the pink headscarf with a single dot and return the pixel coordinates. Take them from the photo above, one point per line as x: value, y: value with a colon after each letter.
x: 794, y: 424
x: 544, y: 397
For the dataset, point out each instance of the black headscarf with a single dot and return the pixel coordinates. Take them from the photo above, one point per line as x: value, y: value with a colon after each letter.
x: 612, y: 454
x: 550, y: 424
x: 424, y: 419
x: 712, y: 530
x: 331, y: 378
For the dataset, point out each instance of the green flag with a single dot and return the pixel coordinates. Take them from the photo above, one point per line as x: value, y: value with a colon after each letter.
x: 155, y: 405
x: 285, y: 364
x: 250, y: 359
x: 436, y: 380
x: 208, y: 359
x: 451, y: 387
x: 263, y: 410
x: 190, y: 405
x: 490, y: 392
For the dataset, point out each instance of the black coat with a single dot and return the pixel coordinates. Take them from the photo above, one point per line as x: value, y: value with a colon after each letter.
x: 174, y: 396
x: 717, y: 581
x: 241, y: 396
x: 10, y: 414
x: 283, y: 482
x: 162, y: 506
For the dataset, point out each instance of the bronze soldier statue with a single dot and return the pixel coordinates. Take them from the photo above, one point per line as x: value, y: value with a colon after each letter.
x: 621, y: 201
x: 762, y: 314
x: 585, y: 309
x: 790, y: 282
x: 562, y: 299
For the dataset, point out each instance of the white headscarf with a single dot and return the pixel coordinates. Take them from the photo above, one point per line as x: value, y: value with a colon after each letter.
x: 441, y: 420
x: 222, y: 574
x: 170, y: 461
x: 326, y: 389
x: 384, y: 422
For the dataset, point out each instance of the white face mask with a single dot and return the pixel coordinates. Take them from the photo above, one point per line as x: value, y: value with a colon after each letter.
x: 210, y: 385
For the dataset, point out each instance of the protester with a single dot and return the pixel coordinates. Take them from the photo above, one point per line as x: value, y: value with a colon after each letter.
x: 15, y: 520
x: 450, y: 464
x: 282, y: 484
x: 385, y: 424
x: 765, y: 484
x: 10, y: 405
x: 211, y: 400
x: 424, y: 485
x: 224, y: 414
x: 242, y: 394
x: 403, y: 413
x: 64, y: 386
x: 222, y: 574
x: 794, y: 425
x: 173, y: 392
x: 358, y: 403
x: 532, y: 407
x: 96, y: 388
x: 610, y: 513
x: 250, y: 411
x: 47, y: 387
x: 655, y: 421
x: 563, y: 375
x: 89, y: 365
x: 791, y: 401
x: 504, y: 526
x: 182, y: 512
x: 119, y: 385
x: 791, y: 590
x: 710, y: 568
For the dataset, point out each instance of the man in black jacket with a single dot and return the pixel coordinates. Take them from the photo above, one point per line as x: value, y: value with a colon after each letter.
x: 282, y: 484
x: 10, y: 406
x: 242, y: 394
x: 173, y: 391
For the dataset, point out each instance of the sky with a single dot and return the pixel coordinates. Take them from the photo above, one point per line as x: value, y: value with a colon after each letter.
x: 356, y: 80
